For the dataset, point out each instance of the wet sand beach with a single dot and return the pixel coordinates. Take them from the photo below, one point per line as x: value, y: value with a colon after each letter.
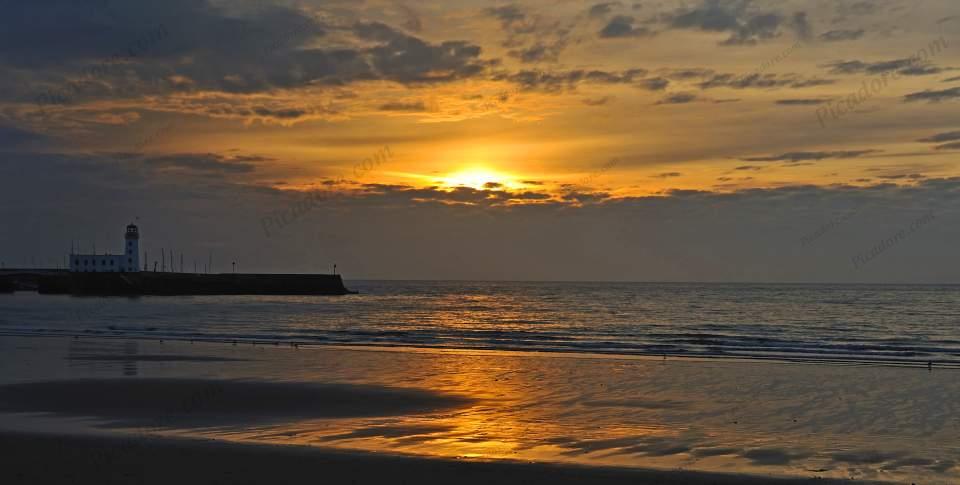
x: 88, y: 460
x: 181, y: 402
x: 100, y: 410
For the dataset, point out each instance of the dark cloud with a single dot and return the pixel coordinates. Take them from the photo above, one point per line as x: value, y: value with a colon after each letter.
x: 547, y: 81
x: 529, y: 196
x: 942, y: 137
x: 622, y: 26
x: 686, y: 74
x: 240, y: 51
x: 123, y: 54
x: 849, y: 13
x: 493, y: 194
x: 403, y: 106
x: 602, y: 9
x: 801, y: 26
x: 667, y: 175
x: 679, y: 98
x: 841, y: 35
x: 950, y: 18
x: 579, y: 197
x: 553, y: 81
x: 745, y: 25
x: 934, y: 96
x: 540, y: 52
x: 763, y: 81
x: 686, y: 97
x: 407, y: 59
x: 923, y: 70
x: 278, y: 113
x: 509, y: 15
x: 530, y: 36
x: 712, y: 15
x: 46, y: 33
x: 806, y: 156
x: 949, y: 146
x: 653, y: 84
x: 906, y: 67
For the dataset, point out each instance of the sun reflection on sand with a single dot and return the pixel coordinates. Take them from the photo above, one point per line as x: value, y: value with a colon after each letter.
x: 634, y: 412
x: 708, y: 415
x: 723, y: 416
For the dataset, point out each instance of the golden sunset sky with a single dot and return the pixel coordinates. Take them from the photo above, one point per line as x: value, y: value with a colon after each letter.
x: 495, y: 106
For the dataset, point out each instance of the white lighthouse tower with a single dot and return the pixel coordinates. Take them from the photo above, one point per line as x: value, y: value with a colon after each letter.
x: 132, y: 263
x: 128, y: 262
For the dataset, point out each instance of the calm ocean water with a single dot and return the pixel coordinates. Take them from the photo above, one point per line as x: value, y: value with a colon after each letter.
x: 849, y: 323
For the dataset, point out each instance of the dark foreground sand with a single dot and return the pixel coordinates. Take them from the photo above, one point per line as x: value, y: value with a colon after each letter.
x: 38, y: 459
x: 184, y: 402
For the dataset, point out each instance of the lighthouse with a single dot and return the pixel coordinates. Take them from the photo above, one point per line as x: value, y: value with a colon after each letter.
x: 133, y: 249
x: 128, y: 262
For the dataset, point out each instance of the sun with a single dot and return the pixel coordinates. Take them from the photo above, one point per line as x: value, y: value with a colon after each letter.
x: 479, y: 178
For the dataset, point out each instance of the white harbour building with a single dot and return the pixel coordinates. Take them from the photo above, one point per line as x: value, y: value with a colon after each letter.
x: 129, y: 262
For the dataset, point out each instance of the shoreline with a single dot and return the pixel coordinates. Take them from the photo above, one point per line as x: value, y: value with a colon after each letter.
x: 81, y: 459
x: 480, y: 351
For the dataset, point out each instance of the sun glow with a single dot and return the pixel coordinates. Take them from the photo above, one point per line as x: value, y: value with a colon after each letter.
x: 479, y: 178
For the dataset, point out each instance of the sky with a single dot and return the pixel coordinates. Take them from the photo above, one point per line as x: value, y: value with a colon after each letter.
x: 695, y: 140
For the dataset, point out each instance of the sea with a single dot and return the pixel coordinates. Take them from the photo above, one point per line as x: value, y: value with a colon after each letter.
x: 917, y: 325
